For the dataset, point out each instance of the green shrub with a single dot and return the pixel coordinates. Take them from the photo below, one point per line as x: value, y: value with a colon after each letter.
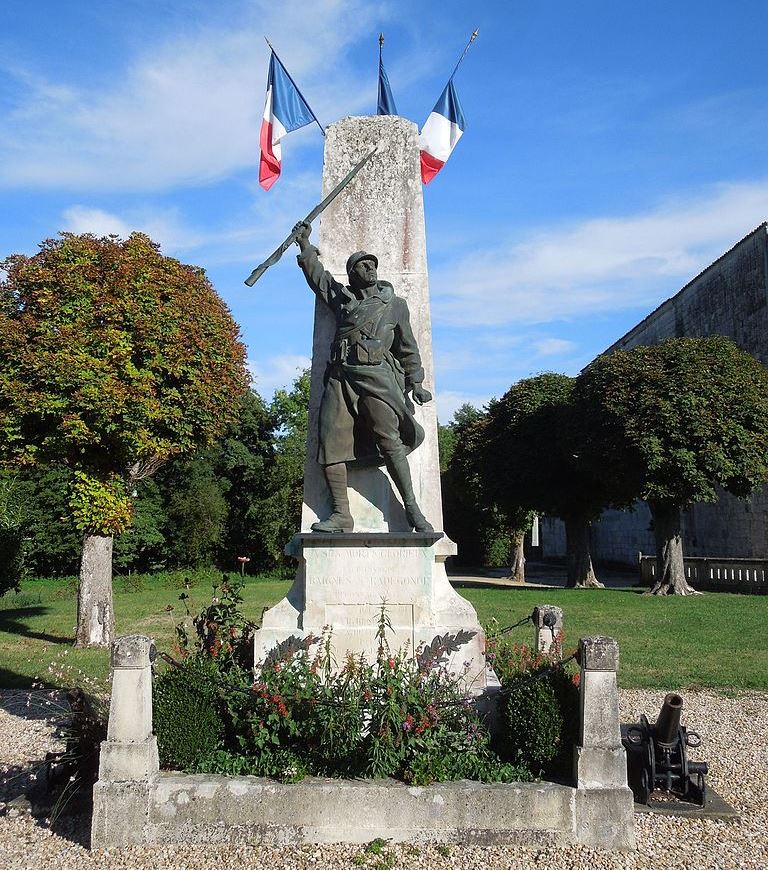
x: 221, y: 633
x: 538, y: 705
x: 532, y: 721
x: 186, y: 714
x: 399, y: 715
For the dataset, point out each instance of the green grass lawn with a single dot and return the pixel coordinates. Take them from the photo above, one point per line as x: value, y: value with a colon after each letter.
x: 713, y: 640
x: 37, y: 626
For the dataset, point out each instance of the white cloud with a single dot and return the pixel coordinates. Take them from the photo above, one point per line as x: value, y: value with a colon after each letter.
x: 81, y: 219
x: 165, y: 228
x: 597, y: 265
x: 553, y: 346
x: 276, y: 373
x: 189, y: 108
x: 247, y: 235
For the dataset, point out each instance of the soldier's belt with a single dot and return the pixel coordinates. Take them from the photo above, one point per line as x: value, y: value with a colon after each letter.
x: 363, y: 352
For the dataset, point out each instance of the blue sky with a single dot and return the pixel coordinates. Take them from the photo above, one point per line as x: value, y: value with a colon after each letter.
x: 613, y: 149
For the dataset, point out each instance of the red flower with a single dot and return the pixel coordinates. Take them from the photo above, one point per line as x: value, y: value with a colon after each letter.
x: 391, y: 663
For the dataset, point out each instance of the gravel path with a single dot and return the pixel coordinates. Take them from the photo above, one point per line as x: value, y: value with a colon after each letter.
x: 737, y: 772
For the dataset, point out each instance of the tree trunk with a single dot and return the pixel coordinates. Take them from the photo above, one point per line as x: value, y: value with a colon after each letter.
x: 517, y: 571
x: 95, y: 616
x: 581, y: 574
x: 670, y: 569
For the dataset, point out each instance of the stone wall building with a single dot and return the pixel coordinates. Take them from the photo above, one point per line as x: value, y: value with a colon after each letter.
x: 729, y: 298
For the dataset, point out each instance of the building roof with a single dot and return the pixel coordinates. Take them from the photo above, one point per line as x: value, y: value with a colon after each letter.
x: 763, y: 227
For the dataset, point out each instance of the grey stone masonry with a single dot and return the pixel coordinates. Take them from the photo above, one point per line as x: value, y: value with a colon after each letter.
x: 128, y: 760
x: 600, y: 761
x: 133, y: 804
x: 548, y: 622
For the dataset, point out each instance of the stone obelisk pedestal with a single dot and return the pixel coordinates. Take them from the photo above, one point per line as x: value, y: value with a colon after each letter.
x: 343, y: 579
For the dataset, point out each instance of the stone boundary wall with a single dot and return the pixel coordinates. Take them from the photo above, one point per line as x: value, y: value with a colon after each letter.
x: 730, y: 297
x: 134, y: 802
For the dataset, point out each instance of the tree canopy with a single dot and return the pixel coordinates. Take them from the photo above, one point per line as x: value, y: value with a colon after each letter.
x: 536, y: 455
x: 484, y: 532
x: 678, y: 420
x: 113, y: 359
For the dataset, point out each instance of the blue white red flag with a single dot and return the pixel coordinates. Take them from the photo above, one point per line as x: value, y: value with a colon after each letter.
x: 386, y: 102
x: 285, y: 110
x: 440, y: 133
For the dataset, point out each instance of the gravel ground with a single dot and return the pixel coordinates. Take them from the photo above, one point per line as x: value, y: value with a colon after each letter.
x: 738, y: 772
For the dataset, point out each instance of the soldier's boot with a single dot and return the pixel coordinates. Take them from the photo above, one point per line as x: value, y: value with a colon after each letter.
x: 341, y: 518
x: 397, y: 466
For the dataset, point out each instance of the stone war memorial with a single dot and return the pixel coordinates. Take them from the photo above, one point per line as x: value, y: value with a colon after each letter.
x: 375, y: 557
x: 370, y: 538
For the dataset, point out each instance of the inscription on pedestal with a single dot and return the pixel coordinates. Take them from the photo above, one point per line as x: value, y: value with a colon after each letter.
x: 367, y: 616
x: 368, y: 575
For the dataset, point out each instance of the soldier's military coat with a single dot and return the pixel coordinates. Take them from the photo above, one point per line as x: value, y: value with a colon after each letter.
x: 374, y: 353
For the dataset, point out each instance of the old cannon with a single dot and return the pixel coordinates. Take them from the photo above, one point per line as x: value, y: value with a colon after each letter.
x: 657, y: 756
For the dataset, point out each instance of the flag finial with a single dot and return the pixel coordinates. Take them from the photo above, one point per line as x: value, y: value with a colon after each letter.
x: 386, y: 102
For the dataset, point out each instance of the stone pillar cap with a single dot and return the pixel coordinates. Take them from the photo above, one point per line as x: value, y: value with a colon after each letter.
x: 598, y: 653
x: 133, y: 651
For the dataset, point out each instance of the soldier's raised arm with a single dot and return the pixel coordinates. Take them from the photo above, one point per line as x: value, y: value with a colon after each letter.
x: 321, y: 281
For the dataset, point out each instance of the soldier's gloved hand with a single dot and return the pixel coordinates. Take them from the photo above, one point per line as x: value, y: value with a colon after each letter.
x: 302, y: 231
x: 420, y: 395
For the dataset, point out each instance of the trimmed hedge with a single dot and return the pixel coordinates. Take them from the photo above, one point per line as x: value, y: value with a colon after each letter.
x: 186, y: 714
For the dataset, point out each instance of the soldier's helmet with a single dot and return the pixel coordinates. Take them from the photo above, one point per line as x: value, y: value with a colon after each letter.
x: 355, y: 258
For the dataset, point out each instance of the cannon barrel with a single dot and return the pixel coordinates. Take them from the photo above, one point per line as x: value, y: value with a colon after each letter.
x: 668, y: 723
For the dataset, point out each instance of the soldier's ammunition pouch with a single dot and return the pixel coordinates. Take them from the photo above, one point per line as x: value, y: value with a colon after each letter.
x: 366, y: 352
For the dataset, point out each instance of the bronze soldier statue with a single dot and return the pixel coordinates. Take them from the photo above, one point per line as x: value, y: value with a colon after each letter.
x: 366, y: 415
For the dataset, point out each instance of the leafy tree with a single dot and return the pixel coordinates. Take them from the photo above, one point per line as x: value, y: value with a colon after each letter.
x: 485, y: 532
x: 142, y: 546
x: 676, y: 420
x: 113, y: 359
x: 280, y: 510
x: 52, y: 545
x: 244, y: 461
x: 197, y: 511
x: 446, y: 444
x: 536, y: 455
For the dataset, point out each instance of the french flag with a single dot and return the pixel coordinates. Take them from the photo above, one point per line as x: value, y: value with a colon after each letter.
x: 440, y: 133
x: 285, y: 110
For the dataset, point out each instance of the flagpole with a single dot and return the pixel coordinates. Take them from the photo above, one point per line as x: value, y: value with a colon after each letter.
x: 295, y: 85
x: 381, y: 45
x: 463, y: 54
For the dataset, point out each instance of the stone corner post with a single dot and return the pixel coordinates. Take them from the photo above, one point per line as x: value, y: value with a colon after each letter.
x: 604, y: 804
x: 600, y: 760
x: 548, y: 622
x: 128, y: 761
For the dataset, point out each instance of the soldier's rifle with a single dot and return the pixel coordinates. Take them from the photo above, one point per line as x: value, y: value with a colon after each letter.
x: 275, y: 256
